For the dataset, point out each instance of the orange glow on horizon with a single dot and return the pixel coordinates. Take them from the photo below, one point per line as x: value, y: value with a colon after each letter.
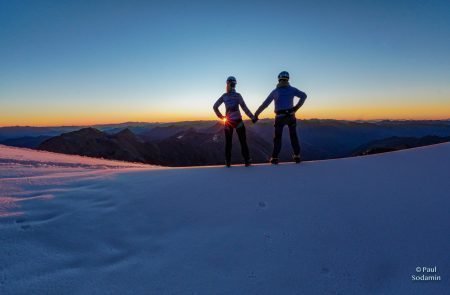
x: 75, y: 118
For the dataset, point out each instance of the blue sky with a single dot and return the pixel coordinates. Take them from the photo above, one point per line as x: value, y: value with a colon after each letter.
x: 70, y: 62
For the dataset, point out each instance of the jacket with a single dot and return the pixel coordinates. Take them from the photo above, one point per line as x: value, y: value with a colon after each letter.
x: 283, y: 96
x: 232, y: 101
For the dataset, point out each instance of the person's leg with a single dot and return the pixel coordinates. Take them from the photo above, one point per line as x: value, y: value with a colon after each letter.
x: 279, y: 124
x: 241, y: 132
x: 293, y: 134
x: 228, y: 144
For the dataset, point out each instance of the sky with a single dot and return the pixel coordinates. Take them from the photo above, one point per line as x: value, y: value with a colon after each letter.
x: 91, y: 62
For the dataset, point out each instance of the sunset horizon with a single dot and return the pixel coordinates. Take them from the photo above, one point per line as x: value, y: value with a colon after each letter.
x: 212, y: 118
x: 366, y: 113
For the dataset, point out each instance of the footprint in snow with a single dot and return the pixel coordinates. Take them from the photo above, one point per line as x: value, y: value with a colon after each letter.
x: 326, y: 272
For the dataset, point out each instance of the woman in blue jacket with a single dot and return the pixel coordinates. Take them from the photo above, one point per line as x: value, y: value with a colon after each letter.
x: 233, y: 120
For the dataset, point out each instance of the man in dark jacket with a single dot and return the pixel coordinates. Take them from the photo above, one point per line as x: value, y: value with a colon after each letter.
x: 285, y: 110
x: 233, y: 120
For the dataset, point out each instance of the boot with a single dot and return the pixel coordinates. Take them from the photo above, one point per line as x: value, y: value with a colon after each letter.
x: 247, y: 163
x: 274, y: 161
x: 297, y: 159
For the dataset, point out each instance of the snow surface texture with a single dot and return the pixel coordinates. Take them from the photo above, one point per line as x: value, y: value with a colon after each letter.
x: 349, y: 226
x: 19, y: 167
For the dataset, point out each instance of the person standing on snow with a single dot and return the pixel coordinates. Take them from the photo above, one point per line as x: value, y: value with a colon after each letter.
x: 233, y: 120
x: 285, y: 110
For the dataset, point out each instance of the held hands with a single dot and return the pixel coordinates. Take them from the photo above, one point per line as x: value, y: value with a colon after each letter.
x: 255, y: 119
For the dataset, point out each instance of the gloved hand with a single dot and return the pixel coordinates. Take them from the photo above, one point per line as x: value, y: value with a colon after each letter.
x: 255, y: 119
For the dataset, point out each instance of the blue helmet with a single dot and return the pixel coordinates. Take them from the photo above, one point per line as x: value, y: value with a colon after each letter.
x: 283, y: 75
x: 231, y: 80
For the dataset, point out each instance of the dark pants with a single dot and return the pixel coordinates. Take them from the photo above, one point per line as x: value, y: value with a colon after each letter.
x: 240, y: 130
x: 280, y: 122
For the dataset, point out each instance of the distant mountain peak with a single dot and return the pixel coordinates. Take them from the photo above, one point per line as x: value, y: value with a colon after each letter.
x: 125, y: 132
x: 85, y: 132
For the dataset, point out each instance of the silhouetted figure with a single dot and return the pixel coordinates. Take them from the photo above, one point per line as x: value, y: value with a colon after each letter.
x: 285, y: 110
x: 233, y: 120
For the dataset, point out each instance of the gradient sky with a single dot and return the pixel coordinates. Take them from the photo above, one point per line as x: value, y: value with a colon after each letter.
x: 88, y: 62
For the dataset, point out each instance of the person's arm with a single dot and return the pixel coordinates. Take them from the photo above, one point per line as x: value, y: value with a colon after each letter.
x: 216, y: 107
x: 245, y: 108
x: 301, y: 101
x: 264, y: 105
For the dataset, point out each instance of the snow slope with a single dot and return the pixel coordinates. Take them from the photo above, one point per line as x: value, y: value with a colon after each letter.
x: 34, y: 158
x: 349, y: 226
